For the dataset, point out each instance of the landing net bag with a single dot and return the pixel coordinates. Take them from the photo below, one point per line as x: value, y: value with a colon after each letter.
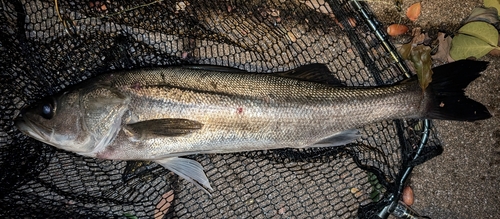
x: 47, y: 46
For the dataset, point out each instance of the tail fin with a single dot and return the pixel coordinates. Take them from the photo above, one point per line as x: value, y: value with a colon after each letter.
x: 447, y: 89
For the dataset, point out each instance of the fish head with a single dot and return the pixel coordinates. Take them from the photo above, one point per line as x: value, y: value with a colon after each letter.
x: 83, y: 121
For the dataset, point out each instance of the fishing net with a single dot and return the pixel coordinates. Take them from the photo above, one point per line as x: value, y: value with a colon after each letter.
x: 47, y: 46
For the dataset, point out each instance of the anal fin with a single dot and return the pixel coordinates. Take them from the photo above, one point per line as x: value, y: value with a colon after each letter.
x: 188, y: 169
x: 339, y: 139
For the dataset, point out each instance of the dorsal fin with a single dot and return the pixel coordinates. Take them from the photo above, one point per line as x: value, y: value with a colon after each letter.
x: 215, y: 68
x: 317, y: 72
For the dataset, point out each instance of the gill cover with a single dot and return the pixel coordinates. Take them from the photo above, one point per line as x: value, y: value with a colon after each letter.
x: 103, y: 109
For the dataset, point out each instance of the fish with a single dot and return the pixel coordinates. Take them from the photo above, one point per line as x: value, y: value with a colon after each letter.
x: 163, y: 113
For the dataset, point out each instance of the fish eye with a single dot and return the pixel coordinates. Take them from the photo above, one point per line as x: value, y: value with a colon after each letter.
x: 47, y: 109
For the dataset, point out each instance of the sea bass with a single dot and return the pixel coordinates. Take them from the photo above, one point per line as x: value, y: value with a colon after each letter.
x: 159, y: 114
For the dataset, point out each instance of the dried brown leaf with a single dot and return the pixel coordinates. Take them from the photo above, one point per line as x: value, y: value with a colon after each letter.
x: 405, y: 51
x: 396, y: 29
x: 164, y: 205
x: 443, y: 53
x: 489, y: 15
x: 495, y: 52
x: 418, y: 36
x: 413, y: 11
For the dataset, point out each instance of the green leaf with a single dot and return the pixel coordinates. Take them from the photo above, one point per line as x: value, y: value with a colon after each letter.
x: 464, y: 46
x: 421, y: 58
x: 405, y: 50
x: 377, y: 188
x: 493, y: 3
x: 129, y: 216
x: 482, y: 30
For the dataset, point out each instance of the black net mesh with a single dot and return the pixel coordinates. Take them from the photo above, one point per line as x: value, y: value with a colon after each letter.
x: 46, y: 46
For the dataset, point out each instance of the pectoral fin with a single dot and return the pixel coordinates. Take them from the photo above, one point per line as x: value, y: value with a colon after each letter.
x: 162, y: 128
x: 190, y: 170
x: 339, y: 138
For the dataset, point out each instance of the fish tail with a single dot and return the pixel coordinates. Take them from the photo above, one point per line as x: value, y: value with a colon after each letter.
x: 447, y: 95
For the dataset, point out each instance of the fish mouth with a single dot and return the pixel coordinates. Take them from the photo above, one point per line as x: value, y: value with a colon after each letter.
x: 49, y: 136
x: 30, y: 129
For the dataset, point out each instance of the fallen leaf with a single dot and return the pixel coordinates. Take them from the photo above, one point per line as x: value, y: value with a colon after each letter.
x: 418, y: 36
x: 129, y: 216
x: 474, y: 39
x: 164, y: 205
x: 494, y: 52
x: 408, y: 196
x: 421, y: 58
x: 443, y: 53
x: 396, y: 29
x: 413, y: 12
x: 377, y: 188
x: 482, y: 30
x: 464, y: 46
x: 489, y: 15
x: 492, y: 3
x: 405, y: 51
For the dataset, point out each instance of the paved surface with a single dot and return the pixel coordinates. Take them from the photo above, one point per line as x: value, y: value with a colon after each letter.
x: 464, y: 181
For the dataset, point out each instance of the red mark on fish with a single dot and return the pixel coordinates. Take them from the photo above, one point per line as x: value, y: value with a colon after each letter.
x: 239, y: 110
x: 136, y: 86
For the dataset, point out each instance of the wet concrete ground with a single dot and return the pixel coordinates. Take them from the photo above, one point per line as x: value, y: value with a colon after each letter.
x: 463, y: 182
